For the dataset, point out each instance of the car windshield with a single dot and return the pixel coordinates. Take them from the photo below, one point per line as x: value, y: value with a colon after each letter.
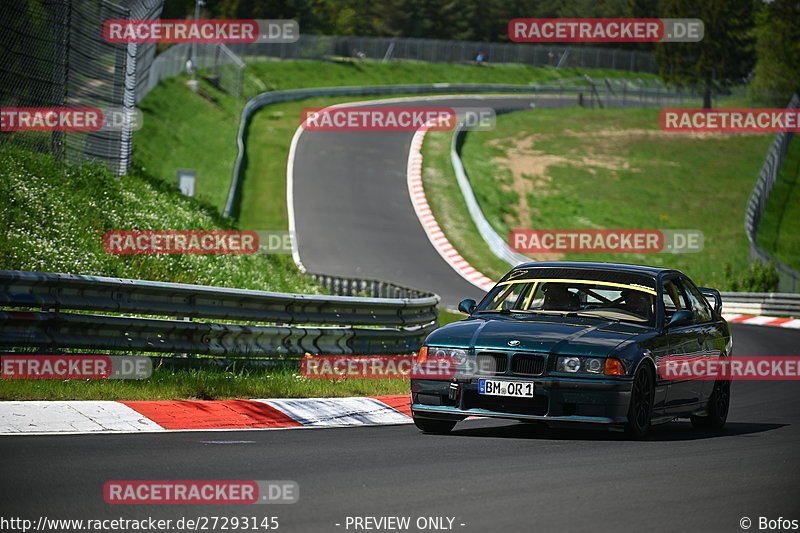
x: 610, y: 300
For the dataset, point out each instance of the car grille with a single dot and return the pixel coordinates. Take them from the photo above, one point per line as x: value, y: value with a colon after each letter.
x: 527, y: 364
x: 491, y: 363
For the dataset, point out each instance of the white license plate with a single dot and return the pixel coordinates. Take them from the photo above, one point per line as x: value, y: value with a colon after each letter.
x: 494, y: 387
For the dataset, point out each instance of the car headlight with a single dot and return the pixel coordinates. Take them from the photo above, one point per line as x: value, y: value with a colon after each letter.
x: 457, y: 355
x: 572, y: 365
x: 568, y: 364
x: 594, y: 366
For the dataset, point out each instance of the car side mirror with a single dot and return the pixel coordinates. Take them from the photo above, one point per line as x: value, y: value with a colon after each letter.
x: 467, y: 306
x: 714, y: 295
x: 681, y: 318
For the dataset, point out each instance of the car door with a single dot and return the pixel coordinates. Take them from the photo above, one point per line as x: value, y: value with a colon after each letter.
x: 708, y: 329
x: 686, y: 340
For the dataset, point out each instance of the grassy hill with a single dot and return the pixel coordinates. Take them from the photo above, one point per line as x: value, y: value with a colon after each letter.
x: 54, y: 218
x: 602, y: 169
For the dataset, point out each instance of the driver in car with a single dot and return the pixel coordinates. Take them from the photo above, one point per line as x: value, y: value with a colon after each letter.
x: 557, y: 297
x: 638, y: 302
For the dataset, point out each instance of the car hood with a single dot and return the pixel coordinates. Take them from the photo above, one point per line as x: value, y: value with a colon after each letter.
x: 557, y: 335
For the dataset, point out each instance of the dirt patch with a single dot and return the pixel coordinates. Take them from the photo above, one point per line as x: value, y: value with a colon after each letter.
x: 612, y: 133
x: 529, y: 170
x: 529, y: 166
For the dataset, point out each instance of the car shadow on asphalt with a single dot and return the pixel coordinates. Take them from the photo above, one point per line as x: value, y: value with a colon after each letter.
x: 672, y: 431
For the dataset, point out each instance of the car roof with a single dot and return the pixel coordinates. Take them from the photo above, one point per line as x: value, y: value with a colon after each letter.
x: 609, y: 267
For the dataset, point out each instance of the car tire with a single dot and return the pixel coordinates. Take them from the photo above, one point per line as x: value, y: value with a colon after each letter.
x: 718, y: 406
x: 432, y: 425
x: 640, y: 410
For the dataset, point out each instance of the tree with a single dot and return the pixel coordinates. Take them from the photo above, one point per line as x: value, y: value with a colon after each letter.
x: 777, y: 73
x: 725, y: 55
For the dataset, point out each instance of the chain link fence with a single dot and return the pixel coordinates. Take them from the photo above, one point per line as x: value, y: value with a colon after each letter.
x: 439, y: 51
x: 52, y: 54
x: 789, y: 278
x: 226, y: 63
x: 226, y: 68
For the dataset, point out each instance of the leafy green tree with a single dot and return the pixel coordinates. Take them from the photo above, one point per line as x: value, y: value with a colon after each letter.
x: 725, y: 55
x: 777, y: 73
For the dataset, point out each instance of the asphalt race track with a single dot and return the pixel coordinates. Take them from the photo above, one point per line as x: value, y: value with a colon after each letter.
x: 353, y: 214
x: 489, y: 475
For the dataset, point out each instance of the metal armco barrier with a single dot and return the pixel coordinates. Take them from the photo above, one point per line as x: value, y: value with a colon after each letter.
x: 365, y: 287
x: 494, y: 241
x: 761, y: 303
x: 296, y: 323
x: 789, y: 278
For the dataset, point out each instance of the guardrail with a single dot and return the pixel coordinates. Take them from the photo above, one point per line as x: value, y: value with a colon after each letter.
x: 761, y: 303
x: 789, y: 278
x: 494, y: 241
x: 297, y: 324
x: 342, y: 286
x: 275, y: 97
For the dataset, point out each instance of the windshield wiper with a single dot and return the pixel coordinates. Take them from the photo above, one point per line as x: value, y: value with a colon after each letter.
x: 509, y: 312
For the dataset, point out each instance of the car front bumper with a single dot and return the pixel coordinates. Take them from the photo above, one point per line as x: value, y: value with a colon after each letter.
x: 602, y: 401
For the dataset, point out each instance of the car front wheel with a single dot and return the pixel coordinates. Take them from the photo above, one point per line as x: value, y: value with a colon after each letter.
x: 640, y: 410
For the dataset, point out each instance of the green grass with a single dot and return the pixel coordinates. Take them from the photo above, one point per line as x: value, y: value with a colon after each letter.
x: 182, y: 129
x: 281, y: 75
x: 603, y: 177
x: 777, y: 232
x: 269, y: 137
x: 54, y: 218
x: 446, y: 317
x: 201, y: 384
x: 447, y: 203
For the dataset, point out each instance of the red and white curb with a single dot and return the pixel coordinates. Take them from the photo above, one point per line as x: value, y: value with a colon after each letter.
x: 382, y: 101
x: 755, y: 320
x: 82, y: 417
x: 428, y: 221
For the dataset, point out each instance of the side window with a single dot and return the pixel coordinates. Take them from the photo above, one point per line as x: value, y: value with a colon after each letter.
x: 698, y: 303
x: 674, y: 297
